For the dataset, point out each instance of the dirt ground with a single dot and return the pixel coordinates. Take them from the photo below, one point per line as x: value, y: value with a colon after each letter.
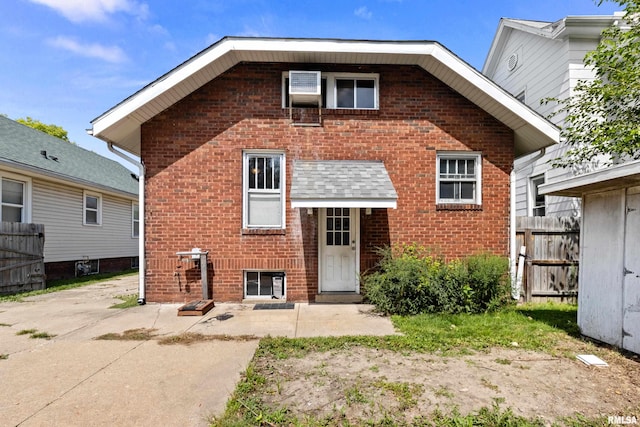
x: 365, y: 384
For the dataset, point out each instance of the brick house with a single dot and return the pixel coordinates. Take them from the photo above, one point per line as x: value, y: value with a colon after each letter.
x: 292, y: 160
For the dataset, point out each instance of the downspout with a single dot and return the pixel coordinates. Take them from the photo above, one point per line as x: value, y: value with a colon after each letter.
x: 513, y: 252
x: 141, y: 263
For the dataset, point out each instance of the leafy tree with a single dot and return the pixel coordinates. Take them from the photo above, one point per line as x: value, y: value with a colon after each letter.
x: 51, y: 129
x: 603, y: 115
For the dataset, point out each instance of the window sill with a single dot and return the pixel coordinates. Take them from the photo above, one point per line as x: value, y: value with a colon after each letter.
x: 263, y: 231
x: 458, y: 207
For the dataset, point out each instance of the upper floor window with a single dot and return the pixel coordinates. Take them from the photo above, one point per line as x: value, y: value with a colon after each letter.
x: 13, y: 200
x: 342, y: 90
x: 355, y: 93
x: 135, y: 220
x: 537, y: 200
x: 459, y: 178
x: 92, y: 209
x: 263, y: 195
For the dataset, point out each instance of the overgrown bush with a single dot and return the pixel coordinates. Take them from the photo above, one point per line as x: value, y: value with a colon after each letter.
x: 410, y: 280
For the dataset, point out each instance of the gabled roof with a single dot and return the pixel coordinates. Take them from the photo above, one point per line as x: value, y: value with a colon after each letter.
x: 38, y: 153
x: 571, y: 26
x: 121, y: 124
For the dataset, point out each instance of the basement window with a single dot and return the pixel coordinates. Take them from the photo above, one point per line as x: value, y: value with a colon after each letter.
x: 264, y: 284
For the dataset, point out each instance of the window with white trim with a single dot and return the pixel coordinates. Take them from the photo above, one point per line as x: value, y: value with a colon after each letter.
x: 135, y: 220
x: 537, y: 200
x: 92, y: 208
x: 343, y: 91
x: 263, y: 195
x: 13, y: 199
x: 459, y: 178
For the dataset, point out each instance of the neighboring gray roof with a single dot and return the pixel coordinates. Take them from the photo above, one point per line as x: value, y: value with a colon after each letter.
x: 31, y: 150
x: 341, y: 183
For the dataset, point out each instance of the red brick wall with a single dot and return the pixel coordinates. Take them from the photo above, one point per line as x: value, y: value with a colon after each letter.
x: 193, y: 155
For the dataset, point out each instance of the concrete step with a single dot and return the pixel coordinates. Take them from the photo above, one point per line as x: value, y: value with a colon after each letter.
x: 338, y: 298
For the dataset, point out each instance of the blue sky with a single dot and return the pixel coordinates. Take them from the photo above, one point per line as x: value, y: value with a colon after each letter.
x: 67, y: 61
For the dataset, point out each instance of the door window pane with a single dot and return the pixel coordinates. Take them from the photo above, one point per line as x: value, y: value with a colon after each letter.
x: 338, y: 227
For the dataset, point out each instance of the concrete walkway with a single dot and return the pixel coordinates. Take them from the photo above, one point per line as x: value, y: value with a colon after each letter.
x: 72, y: 379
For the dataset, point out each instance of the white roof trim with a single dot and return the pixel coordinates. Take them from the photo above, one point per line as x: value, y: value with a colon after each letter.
x: 344, y: 203
x: 121, y: 124
x: 624, y: 175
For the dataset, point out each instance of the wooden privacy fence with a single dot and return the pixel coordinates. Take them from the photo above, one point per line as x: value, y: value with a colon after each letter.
x: 21, y: 257
x: 551, y: 262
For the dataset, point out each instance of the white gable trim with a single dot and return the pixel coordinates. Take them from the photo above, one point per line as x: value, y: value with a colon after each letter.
x: 121, y: 124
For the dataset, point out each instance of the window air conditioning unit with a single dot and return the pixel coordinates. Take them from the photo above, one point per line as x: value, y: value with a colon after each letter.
x: 305, y: 87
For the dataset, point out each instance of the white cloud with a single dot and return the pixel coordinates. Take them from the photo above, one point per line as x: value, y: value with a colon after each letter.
x: 95, y: 10
x: 363, y: 12
x: 90, y: 50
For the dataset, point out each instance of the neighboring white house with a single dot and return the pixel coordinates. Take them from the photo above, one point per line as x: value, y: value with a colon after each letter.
x: 87, y: 203
x: 535, y: 60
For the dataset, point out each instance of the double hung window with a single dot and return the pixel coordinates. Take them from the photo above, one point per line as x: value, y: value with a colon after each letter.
x: 92, y: 209
x: 459, y: 178
x: 264, y: 190
x: 13, y: 200
x: 538, y: 202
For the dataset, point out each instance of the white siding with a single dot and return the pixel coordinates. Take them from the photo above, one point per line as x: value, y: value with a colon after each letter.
x: 60, y: 209
x: 546, y: 69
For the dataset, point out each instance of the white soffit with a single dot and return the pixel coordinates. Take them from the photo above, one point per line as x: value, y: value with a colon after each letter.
x: 121, y: 124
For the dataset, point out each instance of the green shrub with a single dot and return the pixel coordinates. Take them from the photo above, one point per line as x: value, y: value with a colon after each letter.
x: 410, y: 281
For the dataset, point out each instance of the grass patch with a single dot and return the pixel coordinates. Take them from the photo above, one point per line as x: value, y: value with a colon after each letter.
x: 5, y: 324
x: 128, y: 301
x: 542, y: 328
x: 140, y: 334
x: 188, y: 338
x: 64, y: 284
x: 42, y: 335
x: 33, y: 333
x: 4, y: 356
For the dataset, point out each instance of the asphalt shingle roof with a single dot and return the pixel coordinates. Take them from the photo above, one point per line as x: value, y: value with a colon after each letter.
x: 341, y: 180
x: 33, y: 150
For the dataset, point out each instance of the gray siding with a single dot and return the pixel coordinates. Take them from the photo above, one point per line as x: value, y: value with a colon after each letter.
x: 546, y: 68
x: 60, y: 209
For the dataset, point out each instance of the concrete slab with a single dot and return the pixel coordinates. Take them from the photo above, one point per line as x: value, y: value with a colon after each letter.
x: 73, y: 379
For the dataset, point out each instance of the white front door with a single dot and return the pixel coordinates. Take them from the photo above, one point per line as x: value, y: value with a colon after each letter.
x: 339, y: 250
x: 631, y: 283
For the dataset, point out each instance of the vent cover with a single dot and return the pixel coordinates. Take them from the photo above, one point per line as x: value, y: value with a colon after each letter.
x: 304, y: 83
x: 512, y: 61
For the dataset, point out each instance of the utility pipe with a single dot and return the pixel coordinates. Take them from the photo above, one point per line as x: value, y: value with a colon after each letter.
x: 513, y: 253
x: 142, y: 299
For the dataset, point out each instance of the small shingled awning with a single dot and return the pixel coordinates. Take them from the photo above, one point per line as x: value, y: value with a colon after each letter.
x: 341, y: 184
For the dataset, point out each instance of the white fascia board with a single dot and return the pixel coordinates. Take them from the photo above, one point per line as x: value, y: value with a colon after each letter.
x: 344, y: 203
x: 495, y: 92
x: 597, y: 180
